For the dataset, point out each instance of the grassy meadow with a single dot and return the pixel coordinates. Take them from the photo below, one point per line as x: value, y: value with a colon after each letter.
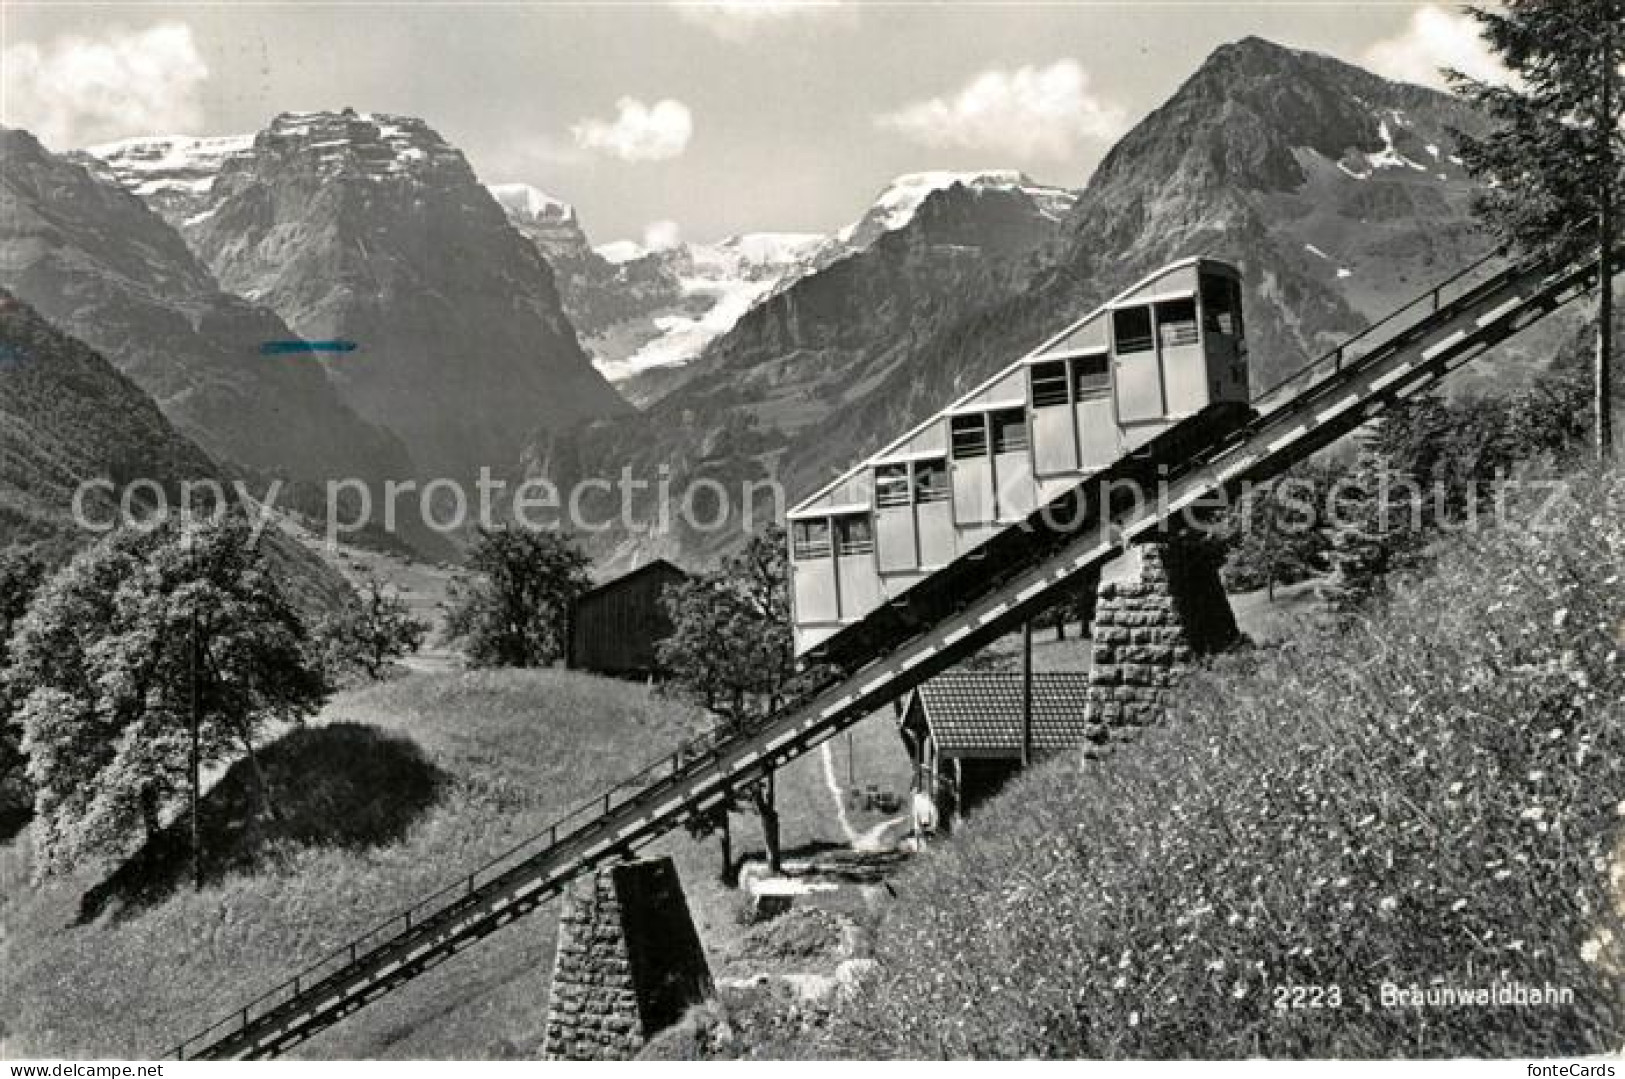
x: 1429, y: 796
x: 394, y: 790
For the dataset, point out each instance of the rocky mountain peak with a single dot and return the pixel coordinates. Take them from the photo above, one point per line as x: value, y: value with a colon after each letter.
x: 900, y: 200
x: 1254, y: 108
x: 370, y: 227
x: 350, y: 144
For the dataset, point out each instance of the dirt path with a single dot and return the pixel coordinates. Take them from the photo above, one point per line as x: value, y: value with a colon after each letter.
x: 837, y: 794
x: 873, y: 838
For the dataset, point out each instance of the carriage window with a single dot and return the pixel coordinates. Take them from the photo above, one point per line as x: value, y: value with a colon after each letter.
x: 969, y: 436
x: 809, y: 539
x: 1009, y: 430
x: 1131, y: 328
x: 931, y: 481
x: 1176, y: 323
x: 854, y: 534
x: 1049, y: 383
x: 1221, y: 306
x: 1091, y: 377
x: 891, y: 485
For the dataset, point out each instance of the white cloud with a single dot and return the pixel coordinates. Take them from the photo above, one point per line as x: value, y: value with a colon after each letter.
x: 77, y: 91
x: 736, y: 20
x: 1031, y: 112
x: 639, y: 132
x: 1435, y: 38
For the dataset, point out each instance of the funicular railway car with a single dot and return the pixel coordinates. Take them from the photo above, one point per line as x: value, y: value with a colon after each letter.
x: 1161, y: 351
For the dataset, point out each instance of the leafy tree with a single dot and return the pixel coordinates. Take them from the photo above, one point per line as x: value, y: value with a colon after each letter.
x: 731, y: 651
x: 1277, y: 539
x: 22, y: 571
x: 513, y: 610
x: 373, y: 629
x: 1554, y: 157
x: 135, y: 637
x: 1074, y: 603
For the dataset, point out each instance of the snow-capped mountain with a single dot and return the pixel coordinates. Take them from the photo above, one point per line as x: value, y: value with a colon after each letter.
x: 372, y: 229
x: 815, y: 344
x: 612, y: 303
x: 638, y: 308
x: 645, y: 313
x: 900, y: 200
x: 714, y: 286
x: 171, y: 173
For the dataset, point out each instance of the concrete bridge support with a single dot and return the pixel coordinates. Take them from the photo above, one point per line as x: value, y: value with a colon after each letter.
x: 629, y: 963
x: 1158, y: 608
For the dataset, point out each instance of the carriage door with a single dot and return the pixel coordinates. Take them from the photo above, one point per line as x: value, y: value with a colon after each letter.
x: 973, y: 469
x: 813, y: 568
x: 897, y: 547
x: 933, y: 512
x: 1055, y: 436
x: 1098, y: 441
x: 855, y: 565
x: 1012, y: 463
x: 1184, y: 367
x: 1137, y: 374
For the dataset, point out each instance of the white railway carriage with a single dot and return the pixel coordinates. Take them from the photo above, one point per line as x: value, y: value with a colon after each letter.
x: 1163, y: 350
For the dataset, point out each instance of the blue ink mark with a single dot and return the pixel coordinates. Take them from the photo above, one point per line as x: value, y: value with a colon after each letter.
x: 12, y: 358
x: 284, y: 348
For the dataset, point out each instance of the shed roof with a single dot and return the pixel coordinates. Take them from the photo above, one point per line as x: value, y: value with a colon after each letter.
x: 658, y: 565
x: 978, y: 713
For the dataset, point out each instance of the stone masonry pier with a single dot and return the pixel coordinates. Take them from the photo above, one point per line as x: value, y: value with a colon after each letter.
x: 1164, y: 607
x: 629, y: 963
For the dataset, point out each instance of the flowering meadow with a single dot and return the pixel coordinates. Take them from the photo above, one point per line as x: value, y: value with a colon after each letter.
x: 1362, y: 843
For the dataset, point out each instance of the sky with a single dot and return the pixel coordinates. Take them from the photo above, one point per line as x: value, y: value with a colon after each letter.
x: 691, y: 119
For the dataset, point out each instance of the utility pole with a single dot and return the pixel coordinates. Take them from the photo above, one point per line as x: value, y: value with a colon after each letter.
x: 1026, y: 693
x: 1605, y: 244
x: 196, y: 649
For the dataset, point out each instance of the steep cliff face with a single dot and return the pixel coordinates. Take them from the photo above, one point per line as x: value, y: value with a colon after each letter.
x: 67, y: 416
x: 372, y: 230
x: 598, y: 295
x: 100, y: 265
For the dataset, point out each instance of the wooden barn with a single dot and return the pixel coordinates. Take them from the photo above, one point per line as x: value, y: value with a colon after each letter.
x: 616, y: 627
x: 963, y: 730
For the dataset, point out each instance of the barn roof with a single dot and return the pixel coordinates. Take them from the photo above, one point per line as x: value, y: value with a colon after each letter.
x: 659, y: 565
x: 978, y: 713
